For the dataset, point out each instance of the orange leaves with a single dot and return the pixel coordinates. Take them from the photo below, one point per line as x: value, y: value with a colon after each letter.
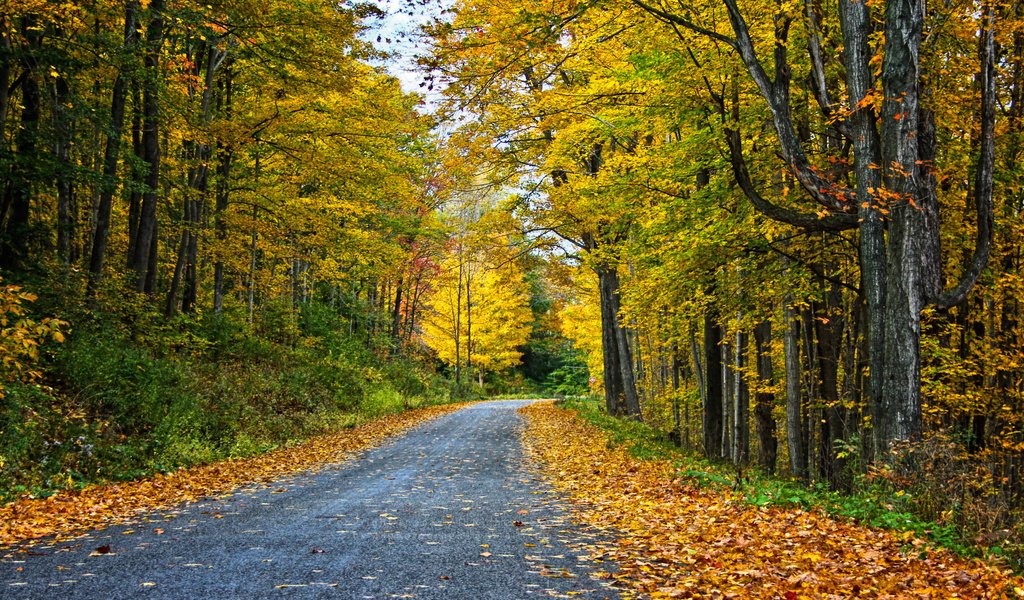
x: 66, y: 514
x: 677, y: 541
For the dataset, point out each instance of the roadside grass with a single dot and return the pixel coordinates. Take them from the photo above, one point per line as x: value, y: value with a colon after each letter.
x: 871, y: 504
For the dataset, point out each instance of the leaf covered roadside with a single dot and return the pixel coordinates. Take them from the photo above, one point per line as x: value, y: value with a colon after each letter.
x: 675, y: 540
x: 67, y: 514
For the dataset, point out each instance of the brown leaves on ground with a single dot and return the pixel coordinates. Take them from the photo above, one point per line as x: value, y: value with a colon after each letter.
x: 70, y: 513
x: 674, y: 540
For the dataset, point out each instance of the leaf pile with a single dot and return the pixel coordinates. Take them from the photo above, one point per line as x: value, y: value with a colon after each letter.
x: 674, y: 540
x: 69, y: 513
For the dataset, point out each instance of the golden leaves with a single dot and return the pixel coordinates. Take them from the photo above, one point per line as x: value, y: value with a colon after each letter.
x: 68, y: 513
x: 674, y: 540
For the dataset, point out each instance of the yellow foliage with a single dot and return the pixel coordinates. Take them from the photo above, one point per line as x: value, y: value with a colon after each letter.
x: 21, y: 337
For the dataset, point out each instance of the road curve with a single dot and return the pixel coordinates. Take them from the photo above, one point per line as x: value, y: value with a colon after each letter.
x: 446, y: 510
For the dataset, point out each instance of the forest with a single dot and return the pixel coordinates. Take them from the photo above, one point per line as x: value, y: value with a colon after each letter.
x: 226, y: 229
x: 781, y: 235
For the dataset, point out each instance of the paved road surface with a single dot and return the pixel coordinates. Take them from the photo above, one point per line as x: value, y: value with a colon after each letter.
x: 448, y: 510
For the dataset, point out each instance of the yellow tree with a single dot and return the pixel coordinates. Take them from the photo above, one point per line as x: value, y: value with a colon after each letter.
x: 479, y: 314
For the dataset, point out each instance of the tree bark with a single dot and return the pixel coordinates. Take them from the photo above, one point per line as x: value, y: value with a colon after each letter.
x: 741, y: 403
x: 143, y: 262
x: 614, y: 392
x: 63, y: 138
x: 713, y: 382
x: 829, y: 324
x: 111, y: 155
x: 17, y: 202
x: 794, y: 420
x: 764, y: 401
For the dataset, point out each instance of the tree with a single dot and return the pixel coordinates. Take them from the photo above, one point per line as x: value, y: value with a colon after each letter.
x: 892, y: 133
x: 478, y: 313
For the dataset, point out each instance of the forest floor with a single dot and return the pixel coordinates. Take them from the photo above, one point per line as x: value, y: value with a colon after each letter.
x: 673, y: 539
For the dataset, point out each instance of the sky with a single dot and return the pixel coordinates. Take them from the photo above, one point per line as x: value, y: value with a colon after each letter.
x: 401, y: 26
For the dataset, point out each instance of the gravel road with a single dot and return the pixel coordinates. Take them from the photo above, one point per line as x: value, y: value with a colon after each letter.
x: 447, y: 510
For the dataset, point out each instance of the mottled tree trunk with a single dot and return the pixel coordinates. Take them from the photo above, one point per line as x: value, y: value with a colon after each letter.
x: 794, y: 421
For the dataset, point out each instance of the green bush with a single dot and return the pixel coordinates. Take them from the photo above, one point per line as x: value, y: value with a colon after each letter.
x: 132, y: 393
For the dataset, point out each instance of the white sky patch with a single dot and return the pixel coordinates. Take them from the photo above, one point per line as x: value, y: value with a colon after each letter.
x: 398, y: 34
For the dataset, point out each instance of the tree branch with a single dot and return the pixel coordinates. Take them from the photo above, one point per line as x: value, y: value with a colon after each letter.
x: 984, y: 173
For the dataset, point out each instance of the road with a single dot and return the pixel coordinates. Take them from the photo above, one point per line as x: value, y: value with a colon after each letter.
x: 448, y: 510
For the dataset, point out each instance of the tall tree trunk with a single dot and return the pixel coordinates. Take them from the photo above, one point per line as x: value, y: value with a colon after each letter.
x: 111, y: 155
x: 199, y: 173
x: 713, y: 381
x: 698, y: 363
x: 144, y: 260
x: 829, y: 324
x: 741, y: 403
x: 219, y: 222
x: 458, y: 326
x: 469, y: 320
x: 5, y: 77
x: 614, y: 392
x: 396, y: 312
x: 764, y: 401
x: 137, y: 176
x: 677, y: 429
x: 171, y: 304
x: 620, y: 396
x: 63, y: 138
x: 253, y: 249
x: 794, y: 422
x: 17, y: 201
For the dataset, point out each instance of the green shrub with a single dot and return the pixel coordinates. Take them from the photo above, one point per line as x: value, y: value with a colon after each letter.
x: 132, y: 393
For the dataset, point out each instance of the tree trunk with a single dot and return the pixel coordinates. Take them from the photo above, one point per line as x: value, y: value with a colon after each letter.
x: 741, y: 404
x: 713, y: 382
x: 614, y: 392
x: 396, y: 312
x: 829, y: 324
x: 64, y: 135
x: 620, y: 386
x: 458, y: 327
x: 111, y: 155
x: 794, y: 422
x: 219, y: 223
x: 143, y: 262
x: 137, y: 177
x: 17, y: 202
x: 764, y: 401
x: 5, y: 77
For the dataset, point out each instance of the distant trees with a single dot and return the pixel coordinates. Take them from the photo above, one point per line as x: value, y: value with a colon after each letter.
x: 477, y: 317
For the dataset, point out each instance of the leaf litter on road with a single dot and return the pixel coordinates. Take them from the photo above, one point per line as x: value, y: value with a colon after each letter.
x: 69, y: 513
x: 672, y: 539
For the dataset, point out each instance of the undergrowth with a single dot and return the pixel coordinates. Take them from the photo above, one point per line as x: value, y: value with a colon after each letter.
x: 871, y: 504
x: 129, y: 393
